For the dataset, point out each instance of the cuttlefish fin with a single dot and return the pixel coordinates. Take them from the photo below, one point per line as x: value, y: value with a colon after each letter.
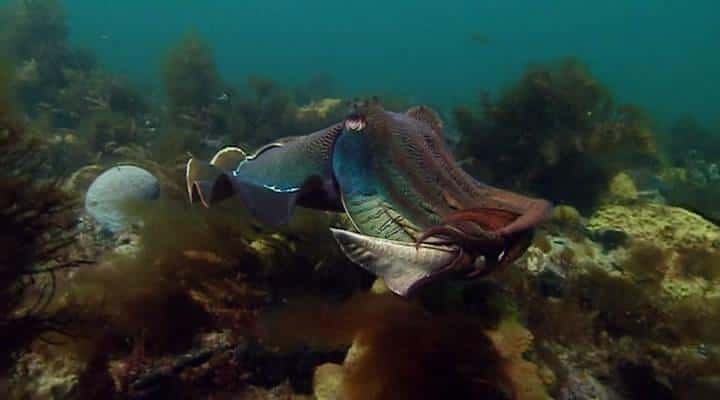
x: 229, y: 158
x: 402, y: 266
x: 209, y: 184
x: 206, y: 183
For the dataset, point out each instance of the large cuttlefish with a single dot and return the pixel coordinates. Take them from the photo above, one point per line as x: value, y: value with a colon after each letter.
x: 416, y: 214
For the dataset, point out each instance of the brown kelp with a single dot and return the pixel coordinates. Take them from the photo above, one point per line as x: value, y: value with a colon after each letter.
x: 558, y: 127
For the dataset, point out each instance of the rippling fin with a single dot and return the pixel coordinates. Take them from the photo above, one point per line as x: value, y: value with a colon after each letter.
x: 206, y: 183
x: 209, y: 184
x: 268, y: 206
x: 402, y: 266
x: 228, y: 158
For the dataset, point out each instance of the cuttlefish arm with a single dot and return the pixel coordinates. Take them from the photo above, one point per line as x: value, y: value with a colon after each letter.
x: 402, y: 266
x: 528, y: 211
x: 290, y: 172
x: 400, y: 182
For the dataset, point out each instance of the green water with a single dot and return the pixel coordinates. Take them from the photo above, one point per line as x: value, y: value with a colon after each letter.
x: 662, y: 55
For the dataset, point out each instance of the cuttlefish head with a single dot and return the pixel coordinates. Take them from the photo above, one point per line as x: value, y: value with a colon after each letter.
x: 365, y: 115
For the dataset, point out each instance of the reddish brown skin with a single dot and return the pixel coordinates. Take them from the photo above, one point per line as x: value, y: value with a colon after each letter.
x: 482, y: 220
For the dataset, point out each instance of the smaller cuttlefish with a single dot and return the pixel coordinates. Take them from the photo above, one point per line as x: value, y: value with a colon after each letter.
x: 416, y: 214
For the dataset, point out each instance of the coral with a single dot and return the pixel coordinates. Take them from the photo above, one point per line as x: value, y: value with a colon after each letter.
x: 557, y: 128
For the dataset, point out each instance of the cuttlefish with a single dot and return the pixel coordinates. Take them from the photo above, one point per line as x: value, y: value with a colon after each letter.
x: 417, y: 215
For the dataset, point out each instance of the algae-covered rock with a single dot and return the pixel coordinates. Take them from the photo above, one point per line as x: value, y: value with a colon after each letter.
x: 327, y: 382
x: 667, y: 227
x: 38, y: 376
x: 115, y: 189
x: 622, y: 187
x: 566, y: 215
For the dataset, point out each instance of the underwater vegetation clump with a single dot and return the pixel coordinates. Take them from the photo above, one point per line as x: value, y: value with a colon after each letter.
x: 268, y: 111
x: 401, y: 350
x: 79, y: 110
x: 686, y: 136
x: 191, y: 80
x: 631, y: 299
x: 694, y: 182
x: 557, y: 128
x: 36, y: 230
x: 35, y: 36
x: 157, y: 296
x: 195, y: 285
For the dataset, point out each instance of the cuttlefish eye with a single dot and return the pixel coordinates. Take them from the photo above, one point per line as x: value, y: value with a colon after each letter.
x: 355, y: 123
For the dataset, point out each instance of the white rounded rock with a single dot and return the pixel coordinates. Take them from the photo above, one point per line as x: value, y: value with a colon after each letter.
x: 113, y: 189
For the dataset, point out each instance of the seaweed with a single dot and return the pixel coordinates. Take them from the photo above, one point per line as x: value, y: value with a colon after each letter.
x: 557, y: 128
x: 687, y: 135
x: 35, y: 36
x: 36, y: 230
x: 455, y: 355
x: 647, y: 262
x: 190, y: 79
x: 700, y: 262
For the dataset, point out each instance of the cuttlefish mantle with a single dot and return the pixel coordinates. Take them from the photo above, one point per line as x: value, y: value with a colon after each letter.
x: 416, y: 215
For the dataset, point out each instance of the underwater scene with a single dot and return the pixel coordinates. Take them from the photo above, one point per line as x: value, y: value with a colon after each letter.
x: 359, y: 200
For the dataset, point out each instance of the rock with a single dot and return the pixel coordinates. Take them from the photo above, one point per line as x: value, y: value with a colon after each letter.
x: 113, y: 189
x: 327, y: 382
x: 622, y: 187
x: 610, y: 239
x: 566, y: 215
x: 667, y: 227
x: 580, y: 385
x: 42, y: 377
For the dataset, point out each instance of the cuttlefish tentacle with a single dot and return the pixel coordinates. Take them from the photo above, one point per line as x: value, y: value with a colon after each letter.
x: 475, y: 231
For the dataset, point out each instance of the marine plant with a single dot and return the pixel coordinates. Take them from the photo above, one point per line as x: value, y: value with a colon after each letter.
x: 265, y: 111
x: 90, y: 91
x: 686, y: 134
x: 36, y: 230
x: 557, y: 128
x: 184, y: 278
x: 191, y: 80
x: 700, y: 262
x: 35, y: 38
x: 455, y: 355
